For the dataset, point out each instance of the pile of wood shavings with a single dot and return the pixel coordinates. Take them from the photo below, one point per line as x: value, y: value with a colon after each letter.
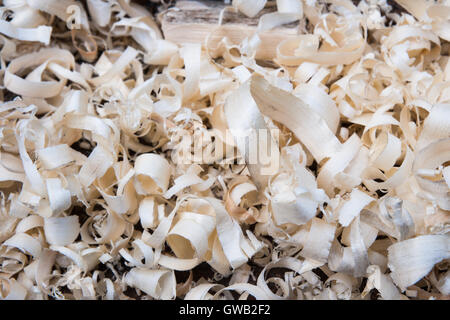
x: 99, y: 200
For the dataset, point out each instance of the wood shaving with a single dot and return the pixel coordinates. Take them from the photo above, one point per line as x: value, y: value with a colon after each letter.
x: 129, y: 164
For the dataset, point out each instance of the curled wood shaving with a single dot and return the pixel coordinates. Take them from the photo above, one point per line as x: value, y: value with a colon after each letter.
x: 126, y: 160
